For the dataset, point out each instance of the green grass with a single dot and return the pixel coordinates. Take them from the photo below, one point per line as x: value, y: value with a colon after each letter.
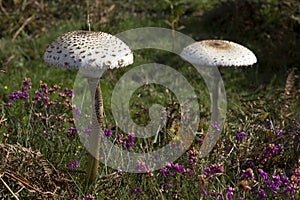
x: 254, y: 95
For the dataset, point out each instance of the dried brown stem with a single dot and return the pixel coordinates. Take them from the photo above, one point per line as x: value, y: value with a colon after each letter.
x: 27, y: 21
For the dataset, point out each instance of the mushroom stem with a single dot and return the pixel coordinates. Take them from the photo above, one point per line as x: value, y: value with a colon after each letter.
x: 97, y: 124
x: 215, y: 96
x: 206, y: 147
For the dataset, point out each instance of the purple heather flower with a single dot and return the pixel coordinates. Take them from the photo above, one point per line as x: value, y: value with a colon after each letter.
x: 190, y: 172
x: 45, y: 90
x: 179, y: 168
x: 107, y: 132
x: 13, y: 96
x: 272, y: 148
x: 141, y: 167
x: 263, y: 174
x: 240, y: 134
x: 270, y: 184
x: 193, y: 153
x: 62, y: 94
x: 25, y: 95
x: 168, y: 184
x: 27, y: 83
x: 250, y: 163
x: 214, y: 194
x: 131, y: 137
x: 130, y: 142
x: 90, y: 197
x: 212, y: 170
x: 59, y: 117
x: 204, y: 192
x: 136, y: 190
x: 229, y: 191
x: 248, y: 173
x: 69, y: 92
x: 172, y: 169
x: 289, y: 191
x: 46, y: 99
x: 78, y: 113
x: 21, y: 95
x: 170, y: 165
x: 216, y: 125
x: 269, y: 151
x: 119, y: 171
x: 296, y: 172
x: 277, y: 180
x: 38, y: 95
x: 119, y: 139
x: 262, y: 194
x: 72, y: 131
x: 200, y: 141
x: 120, y: 136
x: 278, y: 131
x: 87, y: 130
x: 74, y: 164
x: 269, y: 124
x: 285, y: 180
x: 164, y: 171
x: 9, y: 104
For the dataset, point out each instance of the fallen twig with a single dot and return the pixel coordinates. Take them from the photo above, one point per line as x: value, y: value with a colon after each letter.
x: 3, y: 9
x: 14, y: 195
x: 26, y: 183
x: 27, y: 21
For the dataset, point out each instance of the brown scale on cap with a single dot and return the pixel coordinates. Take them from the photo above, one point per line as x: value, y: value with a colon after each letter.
x: 217, y: 44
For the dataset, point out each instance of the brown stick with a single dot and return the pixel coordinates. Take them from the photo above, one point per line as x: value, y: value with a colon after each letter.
x: 10, y: 190
x: 22, y: 27
x: 24, y: 182
x: 3, y: 9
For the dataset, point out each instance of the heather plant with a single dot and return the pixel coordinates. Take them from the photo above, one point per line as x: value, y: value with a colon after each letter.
x: 253, y: 159
x: 41, y: 118
x: 257, y: 155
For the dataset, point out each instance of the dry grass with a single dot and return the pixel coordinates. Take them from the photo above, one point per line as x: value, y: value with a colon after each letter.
x: 23, y: 169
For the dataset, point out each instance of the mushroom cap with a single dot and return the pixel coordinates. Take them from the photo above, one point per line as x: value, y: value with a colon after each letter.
x: 218, y: 53
x: 91, y: 52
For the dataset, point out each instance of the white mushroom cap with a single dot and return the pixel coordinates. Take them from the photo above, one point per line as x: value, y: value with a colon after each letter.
x: 218, y: 53
x: 91, y: 52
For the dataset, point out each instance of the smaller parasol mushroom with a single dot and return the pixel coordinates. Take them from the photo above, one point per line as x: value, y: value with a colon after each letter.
x: 92, y: 53
x: 218, y: 53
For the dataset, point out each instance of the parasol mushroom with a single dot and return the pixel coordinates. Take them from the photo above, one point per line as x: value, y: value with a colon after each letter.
x: 218, y: 53
x: 91, y: 53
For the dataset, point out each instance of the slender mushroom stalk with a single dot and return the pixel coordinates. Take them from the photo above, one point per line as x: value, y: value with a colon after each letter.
x: 215, y: 97
x: 91, y: 53
x: 97, y: 124
x: 217, y: 53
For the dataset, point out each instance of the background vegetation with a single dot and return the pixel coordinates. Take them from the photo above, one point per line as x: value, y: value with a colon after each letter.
x: 263, y: 117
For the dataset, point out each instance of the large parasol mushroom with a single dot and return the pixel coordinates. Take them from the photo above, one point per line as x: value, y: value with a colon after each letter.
x: 91, y: 53
x: 218, y: 53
